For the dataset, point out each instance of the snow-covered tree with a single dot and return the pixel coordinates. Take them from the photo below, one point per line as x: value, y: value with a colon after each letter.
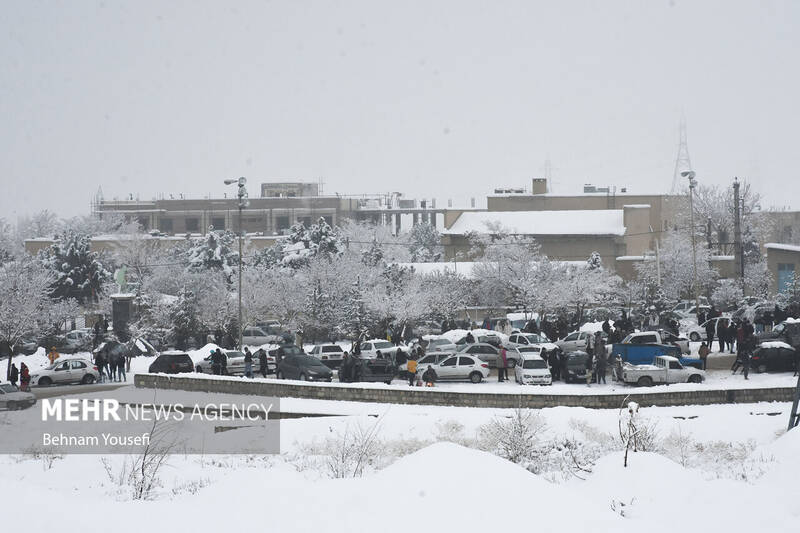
x: 79, y: 272
x: 509, y: 272
x: 363, y: 234
x: 10, y: 245
x: 727, y: 295
x: 757, y: 279
x: 677, y: 268
x: 301, y: 245
x: 447, y: 295
x: 42, y: 224
x: 595, y: 261
x: 372, y: 256
x: 217, y: 250
x: 24, y: 300
x: 425, y: 244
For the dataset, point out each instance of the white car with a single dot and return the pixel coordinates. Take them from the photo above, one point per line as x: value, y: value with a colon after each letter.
x: 439, y: 344
x: 533, y: 370
x: 66, y: 370
x: 697, y: 332
x: 459, y: 367
x: 11, y: 398
x: 528, y: 339
x: 329, y: 354
x: 370, y: 348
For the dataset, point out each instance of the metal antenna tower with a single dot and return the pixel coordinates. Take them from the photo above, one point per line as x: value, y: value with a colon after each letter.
x: 682, y: 162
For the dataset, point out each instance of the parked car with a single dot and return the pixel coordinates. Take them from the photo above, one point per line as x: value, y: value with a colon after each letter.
x: 329, y: 354
x: 171, y: 363
x: 526, y: 339
x: 489, y: 353
x: 428, y: 327
x: 234, y: 366
x: 303, y: 367
x: 645, y: 354
x: 256, y: 336
x: 11, y: 398
x: 459, y: 367
x: 697, y: 332
x: 576, y: 366
x: 533, y: 370
x: 359, y: 370
x: 575, y: 341
x: 66, y: 370
x: 26, y: 346
x: 658, y: 337
x: 774, y: 356
x: 78, y: 340
x: 370, y: 348
x: 665, y: 369
x: 433, y: 358
x: 438, y: 344
x: 787, y: 331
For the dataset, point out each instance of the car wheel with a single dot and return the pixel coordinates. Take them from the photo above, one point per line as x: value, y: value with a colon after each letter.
x: 279, y: 374
x: 88, y: 379
x: 476, y: 377
x: 11, y: 406
x: 388, y: 381
x: 45, y: 382
x: 303, y: 377
x: 761, y: 368
x: 645, y: 381
x: 695, y: 378
x: 198, y: 369
x: 694, y: 336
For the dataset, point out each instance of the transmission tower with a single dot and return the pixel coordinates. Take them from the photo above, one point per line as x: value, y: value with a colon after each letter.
x: 682, y: 162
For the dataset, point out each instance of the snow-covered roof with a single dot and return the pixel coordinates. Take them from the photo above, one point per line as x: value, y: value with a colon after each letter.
x: 586, y: 222
x: 775, y: 344
x: 779, y: 246
x: 637, y: 206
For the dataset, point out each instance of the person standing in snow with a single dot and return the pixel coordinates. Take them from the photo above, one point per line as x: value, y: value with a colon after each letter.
x: 53, y: 355
x: 703, y: 353
x: 14, y: 375
x: 24, y: 378
x: 429, y: 376
x: 262, y: 361
x: 600, y: 357
x: 589, y: 366
x: 502, y: 363
x: 223, y: 360
x: 412, y: 371
x: 606, y: 327
x: 745, y: 355
x: 248, y: 363
x: 216, y: 365
x: 470, y: 338
x: 732, y: 335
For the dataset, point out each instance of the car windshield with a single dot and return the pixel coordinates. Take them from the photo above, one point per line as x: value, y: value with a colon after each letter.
x: 382, y: 345
x: 534, y: 363
x: 232, y: 354
x: 292, y: 350
x: 8, y: 388
x: 528, y: 349
x: 438, y: 342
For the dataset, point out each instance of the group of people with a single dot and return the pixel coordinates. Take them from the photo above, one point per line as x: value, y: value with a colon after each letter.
x: 736, y: 338
x: 111, y: 365
x: 23, y: 374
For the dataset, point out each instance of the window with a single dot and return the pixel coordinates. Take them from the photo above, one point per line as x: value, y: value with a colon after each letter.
x: 785, y: 275
x: 466, y: 361
x: 218, y: 223
x: 674, y: 365
x: 571, y: 337
x: 281, y: 223
x: 305, y: 220
x: 450, y: 362
x: 193, y: 225
x: 78, y: 365
x: 62, y: 366
x: 165, y: 225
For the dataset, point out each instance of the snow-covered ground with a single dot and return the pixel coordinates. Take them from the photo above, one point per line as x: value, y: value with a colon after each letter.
x: 715, y: 468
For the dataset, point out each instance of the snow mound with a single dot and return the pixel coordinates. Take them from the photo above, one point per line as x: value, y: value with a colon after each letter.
x: 455, y: 335
x: 202, y: 353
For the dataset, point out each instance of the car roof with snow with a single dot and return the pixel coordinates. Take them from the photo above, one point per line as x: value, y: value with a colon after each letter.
x: 775, y: 344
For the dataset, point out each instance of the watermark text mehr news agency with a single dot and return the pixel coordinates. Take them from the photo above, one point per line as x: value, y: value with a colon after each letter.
x: 110, y: 410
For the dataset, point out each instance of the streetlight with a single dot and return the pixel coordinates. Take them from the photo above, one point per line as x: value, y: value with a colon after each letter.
x: 692, y: 184
x: 243, y: 202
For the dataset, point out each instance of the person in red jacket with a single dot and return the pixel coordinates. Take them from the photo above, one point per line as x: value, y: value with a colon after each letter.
x: 24, y: 377
x: 502, y: 362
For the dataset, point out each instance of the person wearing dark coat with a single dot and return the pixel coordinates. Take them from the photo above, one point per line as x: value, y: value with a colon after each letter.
x: 429, y: 376
x: 101, y: 362
x: 248, y: 363
x: 710, y: 326
x: 555, y: 364
x: 589, y: 365
x: 216, y: 366
x: 223, y: 359
x: 606, y: 327
x: 14, y: 376
x: 731, y: 335
x: 600, y: 357
x: 262, y: 361
x: 400, y: 357
x: 470, y: 338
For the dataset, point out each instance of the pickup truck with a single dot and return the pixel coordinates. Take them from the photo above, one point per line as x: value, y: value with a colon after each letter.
x: 658, y: 337
x: 645, y: 354
x: 665, y: 369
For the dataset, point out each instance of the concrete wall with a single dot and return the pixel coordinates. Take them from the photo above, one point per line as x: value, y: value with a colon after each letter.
x: 421, y: 396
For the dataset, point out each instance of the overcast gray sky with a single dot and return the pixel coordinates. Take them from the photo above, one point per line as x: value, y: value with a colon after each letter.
x: 431, y: 98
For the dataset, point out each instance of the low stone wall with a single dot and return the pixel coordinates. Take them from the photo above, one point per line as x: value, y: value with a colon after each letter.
x: 422, y: 396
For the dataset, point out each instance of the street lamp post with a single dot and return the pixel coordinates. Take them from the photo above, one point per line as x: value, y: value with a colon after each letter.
x: 243, y: 202
x: 692, y: 184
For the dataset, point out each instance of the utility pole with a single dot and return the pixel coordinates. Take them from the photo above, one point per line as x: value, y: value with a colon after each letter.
x: 690, y: 174
x: 737, y: 231
x: 243, y: 202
